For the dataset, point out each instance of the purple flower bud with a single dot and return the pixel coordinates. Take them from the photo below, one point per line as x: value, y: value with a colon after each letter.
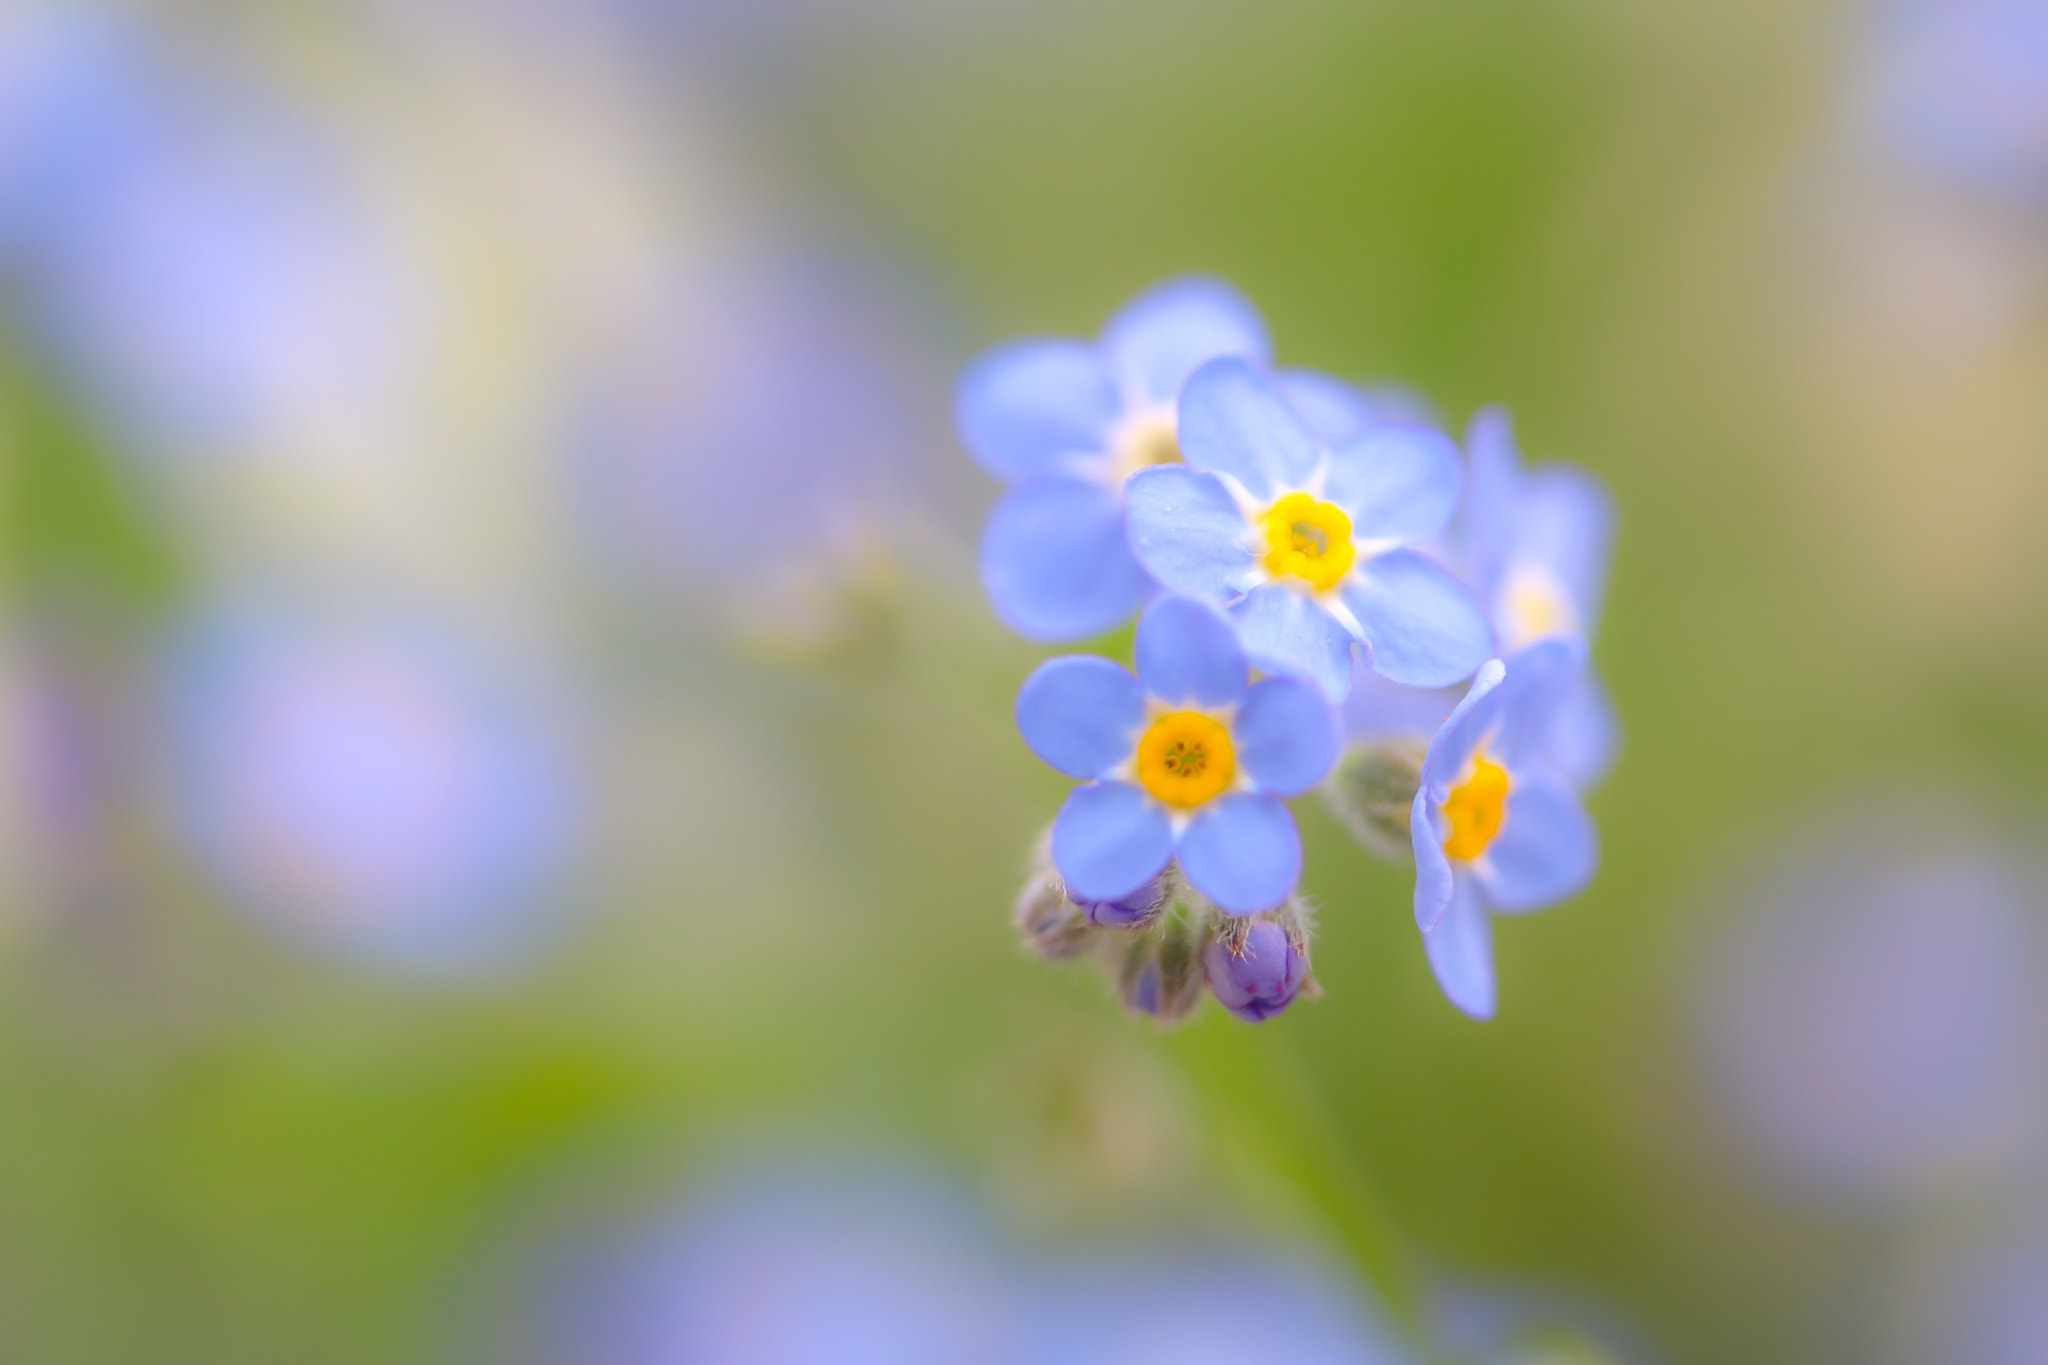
x: 1257, y: 969
x: 1052, y: 926
x: 1162, y: 973
x: 1128, y: 912
x: 1141, y: 988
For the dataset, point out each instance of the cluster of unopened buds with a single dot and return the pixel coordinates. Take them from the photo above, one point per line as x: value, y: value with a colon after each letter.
x: 1330, y: 595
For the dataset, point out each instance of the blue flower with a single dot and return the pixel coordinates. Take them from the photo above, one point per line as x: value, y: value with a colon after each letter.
x: 1065, y: 424
x: 1957, y: 90
x: 791, y: 1263
x: 1310, y: 545
x: 372, y: 787
x: 1185, y: 759
x: 1495, y: 827
x: 795, y: 389
x: 70, y: 95
x: 213, y: 263
x: 1875, y: 1020
x: 1203, y: 1306
x: 1536, y: 546
x: 1503, y: 1323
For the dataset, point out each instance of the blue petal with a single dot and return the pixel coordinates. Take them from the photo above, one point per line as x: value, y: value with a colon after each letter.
x: 1286, y: 735
x: 1057, y: 563
x: 1460, y: 952
x: 1424, y: 631
x: 1189, y: 531
x: 1546, y: 849
x: 1468, y: 727
x: 1493, y: 495
x: 1081, y: 714
x: 1110, y: 839
x: 1166, y: 333
x: 1398, y: 482
x: 1286, y: 631
x: 1033, y: 407
x: 1334, y: 410
x: 1539, y: 681
x: 1382, y: 710
x: 1434, y: 881
x: 1243, y: 852
x: 1585, y: 736
x: 1188, y: 654
x: 1234, y: 422
x: 1566, y: 525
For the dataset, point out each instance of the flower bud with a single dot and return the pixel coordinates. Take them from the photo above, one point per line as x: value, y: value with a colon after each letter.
x: 1372, y: 792
x: 1132, y: 911
x: 1257, y: 967
x: 1053, y: 926
x: 1162, y: 971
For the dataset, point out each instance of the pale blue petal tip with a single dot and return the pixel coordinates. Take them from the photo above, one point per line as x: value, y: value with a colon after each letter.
x: 1188, y: 654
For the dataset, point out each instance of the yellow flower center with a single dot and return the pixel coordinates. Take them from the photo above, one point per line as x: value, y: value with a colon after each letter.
x: 1186, y: 758
x: 1476, y: 809
x: 1533, y: 605
x: 1308, y: 539
x: 1146, y: 439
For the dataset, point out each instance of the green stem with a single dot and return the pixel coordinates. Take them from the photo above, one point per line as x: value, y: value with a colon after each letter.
x: 1265, y: 1109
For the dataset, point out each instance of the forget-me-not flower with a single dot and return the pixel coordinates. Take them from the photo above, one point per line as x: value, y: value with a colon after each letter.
x: 1187, y: 758
x: 1875, y: 1020
x: 800, y: 382
x: 372, y: 786
x: 1536, y: 544
x: 1309, y: 544
x: 1495, y: 827
x: 213, y: 261
x: 1202, y: 1306
x: 1957, y: 91
x: 1066, y: 423
x: 794, y: 1263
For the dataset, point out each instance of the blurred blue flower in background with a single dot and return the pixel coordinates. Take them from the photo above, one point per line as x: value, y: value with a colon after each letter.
x: 1876, y: 1018
x: 1535, y: 545
x: 1066, y: 424
x: 790, y: 1266
x: 1205, y: 1307
x: 1958, y: 90
x: 1508, y: 1324
x: 66, y: 100
x: 1309, y: 546
x: 794, y: 1263
x: 200, y: 253
x: 1496, y: 828
x: 223, y: 282
x: 1986, y: 1303
x: 1187, y: 758
x: 64, y: 770
x: 762, y: 442
x: 371, y: 785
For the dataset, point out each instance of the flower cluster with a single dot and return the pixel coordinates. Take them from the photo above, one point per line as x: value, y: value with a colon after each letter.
x: 1309, y: 563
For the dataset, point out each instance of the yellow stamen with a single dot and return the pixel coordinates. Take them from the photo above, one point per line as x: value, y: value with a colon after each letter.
x: 1310, y: 540
x: 1186, y: 758
x: 1533, y: 605
x: 1476, y: 809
